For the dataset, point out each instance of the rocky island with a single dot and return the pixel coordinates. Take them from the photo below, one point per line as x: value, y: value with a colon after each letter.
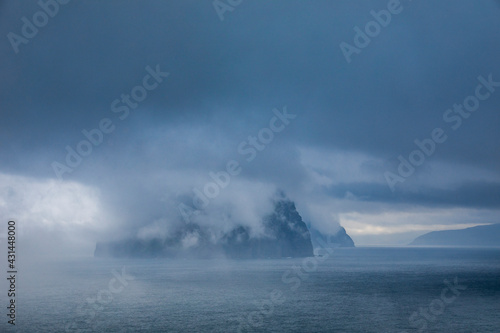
x: 285, y: 235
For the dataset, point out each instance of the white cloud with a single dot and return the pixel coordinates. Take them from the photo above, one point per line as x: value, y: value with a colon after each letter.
x: 399, y: 227
x: 51, y: 216
x: 327, y: 167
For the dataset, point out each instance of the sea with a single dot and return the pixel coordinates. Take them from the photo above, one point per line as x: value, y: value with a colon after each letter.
x: 364, y: 289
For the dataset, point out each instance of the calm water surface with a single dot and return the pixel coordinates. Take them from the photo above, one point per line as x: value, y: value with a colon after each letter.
x: 354, y: 290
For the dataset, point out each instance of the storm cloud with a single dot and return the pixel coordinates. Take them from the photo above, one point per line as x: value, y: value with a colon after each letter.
x: 226, y: 79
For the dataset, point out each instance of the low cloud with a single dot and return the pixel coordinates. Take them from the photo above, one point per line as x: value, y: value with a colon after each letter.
x: 226, y: 78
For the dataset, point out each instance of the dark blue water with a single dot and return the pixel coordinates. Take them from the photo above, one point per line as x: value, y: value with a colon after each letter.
x: 354, y: 290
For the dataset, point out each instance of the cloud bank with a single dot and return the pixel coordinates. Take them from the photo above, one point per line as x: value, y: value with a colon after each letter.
x: 96, y: 61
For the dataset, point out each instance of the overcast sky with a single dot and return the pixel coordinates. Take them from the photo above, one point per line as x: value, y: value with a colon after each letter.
x: 349, y: 115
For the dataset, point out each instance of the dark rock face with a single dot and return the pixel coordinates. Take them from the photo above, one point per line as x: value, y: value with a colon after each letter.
x: 485, y: 235
x: 171, y: 247
x: 340, y: 239
x: 285, y: 235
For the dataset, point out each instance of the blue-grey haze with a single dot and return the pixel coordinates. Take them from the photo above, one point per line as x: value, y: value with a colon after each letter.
x: 354, y: 290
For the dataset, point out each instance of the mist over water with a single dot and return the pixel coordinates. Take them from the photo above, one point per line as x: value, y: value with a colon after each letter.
x: 249, y: 130
x: 354, y: 290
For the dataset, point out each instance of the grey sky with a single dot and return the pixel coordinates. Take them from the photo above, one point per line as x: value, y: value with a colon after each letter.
x: 353, y: 119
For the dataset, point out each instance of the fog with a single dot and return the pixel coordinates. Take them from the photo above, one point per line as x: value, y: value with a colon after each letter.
x: 223, y: 107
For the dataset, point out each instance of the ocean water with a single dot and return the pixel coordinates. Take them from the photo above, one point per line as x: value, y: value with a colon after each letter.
x: 352, y: 290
